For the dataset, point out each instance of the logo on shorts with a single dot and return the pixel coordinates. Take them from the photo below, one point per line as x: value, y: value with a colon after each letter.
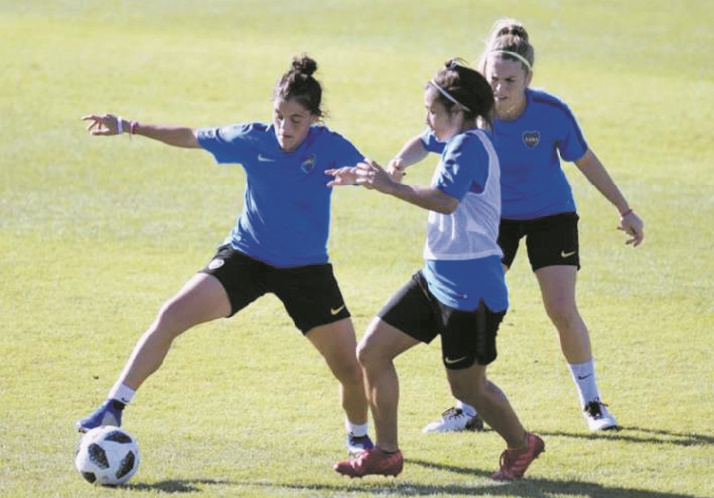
x: 334, y: 311
x: 531, y: 138
x: 216, y: 263
x: 449, y: 361
x: 308, y: 163
x: 564, y: 254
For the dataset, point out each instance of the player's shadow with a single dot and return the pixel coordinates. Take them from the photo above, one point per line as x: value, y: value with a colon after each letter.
x: 529, y: 487
x: 641, y: 435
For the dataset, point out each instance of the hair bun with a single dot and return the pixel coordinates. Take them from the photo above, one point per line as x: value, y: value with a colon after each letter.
x: 304, y: 65
x: 513, y: 29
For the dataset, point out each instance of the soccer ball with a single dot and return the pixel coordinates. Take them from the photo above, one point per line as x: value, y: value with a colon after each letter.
x: 107, y: 456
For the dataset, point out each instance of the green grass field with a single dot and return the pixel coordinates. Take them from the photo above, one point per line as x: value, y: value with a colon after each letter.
x: 96, y: 233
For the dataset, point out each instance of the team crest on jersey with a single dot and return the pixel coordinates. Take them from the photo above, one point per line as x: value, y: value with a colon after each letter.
x: 531, y: 138
x: 308, y: 163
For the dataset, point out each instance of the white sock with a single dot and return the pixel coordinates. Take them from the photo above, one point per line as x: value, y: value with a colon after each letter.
x: 584, y: 377
x: 357, y: 430
x: 121, y: 392
x: 468, y: 410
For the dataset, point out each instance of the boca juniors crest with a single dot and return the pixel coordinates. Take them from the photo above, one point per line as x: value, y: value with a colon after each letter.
x: 531, y: 138
x: 308, y: 163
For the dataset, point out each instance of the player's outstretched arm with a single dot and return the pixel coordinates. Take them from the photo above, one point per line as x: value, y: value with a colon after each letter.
x: 110, y: 124
x: 372, y: 176
x: 411, y: 152
x: 597, y: 175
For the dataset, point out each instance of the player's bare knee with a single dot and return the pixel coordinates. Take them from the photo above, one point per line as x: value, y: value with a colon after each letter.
x: 370, y: 356
x: 563, y: 317
x: 171, y: 319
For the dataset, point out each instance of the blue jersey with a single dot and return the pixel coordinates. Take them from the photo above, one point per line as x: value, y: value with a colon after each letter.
x: 462, y: 257
x: 533, y: 183
x: 286, y: 203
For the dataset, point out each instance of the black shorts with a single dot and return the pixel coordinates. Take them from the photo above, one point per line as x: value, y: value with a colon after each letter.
x: 309, y: 293
x: 551, y: 240
x: 467, y: 337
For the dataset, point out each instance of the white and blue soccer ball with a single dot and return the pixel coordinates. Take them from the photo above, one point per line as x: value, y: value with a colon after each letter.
x: 107, y: 456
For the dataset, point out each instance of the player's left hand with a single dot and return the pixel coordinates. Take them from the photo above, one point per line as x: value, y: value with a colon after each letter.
x: 634, y: 227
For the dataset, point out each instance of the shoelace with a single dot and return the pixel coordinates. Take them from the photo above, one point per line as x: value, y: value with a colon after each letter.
x: 593, y: 409
x: 453, y: 412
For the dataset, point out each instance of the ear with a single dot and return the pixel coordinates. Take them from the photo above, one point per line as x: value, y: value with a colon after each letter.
x: 529, y: 78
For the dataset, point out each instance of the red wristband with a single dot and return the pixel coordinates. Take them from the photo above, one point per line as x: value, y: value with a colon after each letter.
x: 134, y: 124
x: 622, y: 215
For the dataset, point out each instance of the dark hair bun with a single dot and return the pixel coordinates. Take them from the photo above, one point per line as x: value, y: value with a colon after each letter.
x: 513, y: 30
x: 304, y: 65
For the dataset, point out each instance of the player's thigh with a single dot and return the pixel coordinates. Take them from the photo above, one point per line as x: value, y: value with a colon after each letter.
x: 200, y: 300
x: 242, y: 277
x: 469, y: 337
x: 510, y: 233
x: 382, y: 343
x: 557, y: 286
x: 470, y: 380
x: 336, y: 342
x: 310, y: 294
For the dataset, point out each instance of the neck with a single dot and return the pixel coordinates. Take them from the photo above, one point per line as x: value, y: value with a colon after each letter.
x: 512, y: 112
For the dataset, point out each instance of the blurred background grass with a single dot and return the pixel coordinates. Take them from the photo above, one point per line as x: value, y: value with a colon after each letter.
x: 95, y: 234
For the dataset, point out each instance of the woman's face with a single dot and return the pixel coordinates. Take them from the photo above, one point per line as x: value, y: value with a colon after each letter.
x: 444, y: 123
x: 509, y: 80
x: 292, y: 123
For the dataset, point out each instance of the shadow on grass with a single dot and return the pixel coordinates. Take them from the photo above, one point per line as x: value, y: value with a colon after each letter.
x: 641, y: 435
x: 177, y: 485
x: 529, y: 487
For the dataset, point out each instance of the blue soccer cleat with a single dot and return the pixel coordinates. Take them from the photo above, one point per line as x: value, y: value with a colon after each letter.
x: 108, y: 413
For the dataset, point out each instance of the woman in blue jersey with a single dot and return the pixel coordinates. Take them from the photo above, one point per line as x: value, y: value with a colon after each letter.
x: 460, y: 293
x: 532, y: 128
x: 278, y: 245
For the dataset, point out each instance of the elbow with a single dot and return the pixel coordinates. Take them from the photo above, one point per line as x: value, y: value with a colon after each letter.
x: 447, y: 207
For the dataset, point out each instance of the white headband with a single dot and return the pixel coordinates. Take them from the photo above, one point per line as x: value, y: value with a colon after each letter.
x: 448, y: 95
x: 516, y: 55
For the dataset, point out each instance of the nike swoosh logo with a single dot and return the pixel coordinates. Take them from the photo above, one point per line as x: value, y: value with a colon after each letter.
x: 564, y: 254
x: 264, y: 159
x: 584, y: 377
x: 334, y: 311
x: 449, y: 361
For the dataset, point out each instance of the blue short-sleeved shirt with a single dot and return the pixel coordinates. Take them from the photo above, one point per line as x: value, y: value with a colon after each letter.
x: 286, y: 203
x: 533, y: 183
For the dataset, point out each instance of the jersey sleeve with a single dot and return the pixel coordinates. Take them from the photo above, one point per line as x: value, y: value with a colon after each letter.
x: 227, y: 144
x: 430, y: 143
x: 463, y: 167
x: 572, y: 145
x: 343, y: 151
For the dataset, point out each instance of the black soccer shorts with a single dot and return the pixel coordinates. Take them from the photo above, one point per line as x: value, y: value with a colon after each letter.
x: 467, y: 337
x: 550, y: 240
x: 310, y: 293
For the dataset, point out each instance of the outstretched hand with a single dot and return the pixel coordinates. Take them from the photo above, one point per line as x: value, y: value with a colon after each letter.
x: 633, y: 226
x: 342, y: 176
x: 105, y: 125
x: 368, y: 174
x: 396, y: 169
